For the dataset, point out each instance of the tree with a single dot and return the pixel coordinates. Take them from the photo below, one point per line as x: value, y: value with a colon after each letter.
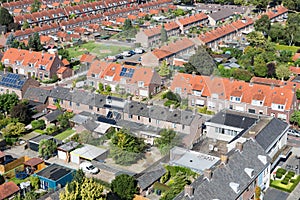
x: 277, y: 32
x: 79, y: 176
x: 124, y: 186
x: 10, y: 39
x: 293, y: 28
x: 295, y: 117
x: 166, y: 140
x: 2, y: 180
x: 164, y: 69
x: 201, y: 62
x: 271, y: 69
x: 256, y: 39
x: 257, y: 193
x: 163, y: 34
x: 127, y: 25
x: 47, y: 148
x: 180, y: 180
x: 25, y: 25
x: 263, y: 24
x: 292, y: 4
x: 88, y: 188
x: 34, y: 42
x: 13, y: 129
x: 5, y: 17
x: 64, y: 118
x: 100, y: 88
x: 260, y: 4
x: 108, y: 88
x: 260, y: 66
x: 34, y: 182
x: 64, y: 54
x: 242, y: 74
x: 22, y: 112
x: 35, y: 6
x: 282, y: 71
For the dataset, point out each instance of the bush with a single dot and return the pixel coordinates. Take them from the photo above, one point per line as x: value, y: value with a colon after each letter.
x: 38, y: 124
x: 291, y: 173
x: 293, y: 180
x: 278, y: 175
x: 165, y: 177
x: 281, y: 170
x: 175, y: 169
x: 285, y: 181
x: 168, y: 103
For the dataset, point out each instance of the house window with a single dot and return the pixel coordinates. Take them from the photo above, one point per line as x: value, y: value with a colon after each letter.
x: 141, y: 83
x: 231, y: 107
x: 61, y: 101
x: 157, y: 122
x: 42, y: 67
x: 149, y: 120
x: 174, y: 125
x: 139, y: 118
x: 129, y: 116
x: 251, y: 110
x: 77, y: 104
x: 280, y: 107
x: 6, y: 61
x: 183, y: 126
x: 178, y: 90
x: 70, y: 103
x: 91, y: 107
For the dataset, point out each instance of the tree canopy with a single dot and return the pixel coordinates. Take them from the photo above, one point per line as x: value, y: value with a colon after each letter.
x: 201, y: 63
x: 5, y: 17
x: 263, y: 24
x: 22, y: 112
x: 13, y: 129
x: 34, y: 42
x: 124, y: 186
x: 164, y: 69
x: 35, y: 6
x: 7, y: 101
x: 166, y: 141
x: 163, y: 34
x: 47, y: 148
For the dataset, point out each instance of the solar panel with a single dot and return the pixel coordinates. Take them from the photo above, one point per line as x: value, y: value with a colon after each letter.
x: 122, y: 74
x: 124, y: 69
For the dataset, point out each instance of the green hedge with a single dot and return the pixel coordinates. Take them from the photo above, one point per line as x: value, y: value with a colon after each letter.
x: 296, y: 181
x: 285, y: 181
x: 175, y: 169
x: 278, y: 175
x: 291, y: 173
x: 281, y: 170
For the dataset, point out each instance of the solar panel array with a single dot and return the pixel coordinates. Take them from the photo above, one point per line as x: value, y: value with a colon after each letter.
x: 12, y: 81
x: 127, y: 72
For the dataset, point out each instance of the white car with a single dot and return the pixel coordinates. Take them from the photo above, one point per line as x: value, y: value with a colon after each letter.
x: 126, y: 54
x: 293, y: 132
x: 89, y: 167
x: 139, y: 51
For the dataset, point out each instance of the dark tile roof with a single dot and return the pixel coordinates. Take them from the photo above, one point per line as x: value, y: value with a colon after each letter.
x: 274, y: 129
x: 148, y: 177
x: 274, y: 194
x: 54, y: 172
x: 90, y: 125
x: 61, y: 93
x: 37, y: 94
x: 238, y: 120
x: 38, y: 138
x: 70, y: 146
x: 52, y: 116
x: 136, y: 108
x: 234, y: 171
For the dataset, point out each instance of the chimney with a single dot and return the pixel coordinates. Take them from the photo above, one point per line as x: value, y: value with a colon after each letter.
x: 4, y: 70
x: 239, y: 146
x: 194, y: 74
x: 224, y: 159
x: 207, y: 174
x: 188, y: 191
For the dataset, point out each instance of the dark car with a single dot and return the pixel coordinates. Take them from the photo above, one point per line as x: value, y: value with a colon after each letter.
x: 131, y: 52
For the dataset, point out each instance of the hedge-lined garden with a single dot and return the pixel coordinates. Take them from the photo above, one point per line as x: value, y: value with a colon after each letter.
x: 285, y: 181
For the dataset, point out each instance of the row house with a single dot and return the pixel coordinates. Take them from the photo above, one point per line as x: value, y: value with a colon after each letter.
x: 168, y: 52
x: 139, y: 81
x: 42, y: 17
x: 186, y: 122
x: 29, y: 63
x: 227, y: 32
x: 198, y: 19
x: 279, y: 13
x: 154, y: 5
x: 151, y: 37
x: 42, y: 30
x: 10, y: 6
x: 223, y: 93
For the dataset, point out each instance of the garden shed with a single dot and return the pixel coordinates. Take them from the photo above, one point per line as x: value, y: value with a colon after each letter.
x: 88, y: 153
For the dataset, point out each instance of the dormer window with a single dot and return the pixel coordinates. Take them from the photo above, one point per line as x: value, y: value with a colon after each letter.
x: 18, y: 62
x: 235, y: 99
x: 42, y: 67
x: 140, y: 83
x: 30, y: 65
x: 6, y: 61
x: 178, y: 90
x: 197, y: 92
x: 279, y: 107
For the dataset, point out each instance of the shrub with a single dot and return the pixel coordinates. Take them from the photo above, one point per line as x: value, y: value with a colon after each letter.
x: 165, y: 177
x: 289, y: 176
x: 278, y: 175
x: 281, y: 170
x: 291, y: 173
x: 293, y: 180
x: 285, y: 181
x: 38, y: 124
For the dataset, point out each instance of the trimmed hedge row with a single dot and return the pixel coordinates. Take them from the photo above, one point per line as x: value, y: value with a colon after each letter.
x: 294, y: 181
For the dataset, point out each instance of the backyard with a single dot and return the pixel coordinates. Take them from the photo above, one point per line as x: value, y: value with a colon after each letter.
x: 99, y: 49
x: 286, y: 47
x: 64, y: 134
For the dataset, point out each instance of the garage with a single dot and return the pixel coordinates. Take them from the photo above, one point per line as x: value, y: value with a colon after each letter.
x: 63, y: 151
x: 87, y: 153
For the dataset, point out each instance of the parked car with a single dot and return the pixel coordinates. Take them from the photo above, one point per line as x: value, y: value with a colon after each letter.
x: 119, y: 56
x: 139, y: 50
x: 88, y: 167
x: 126, y: 54
x: 111, y: 58
x: 293, y: 132
x: 132, y: 52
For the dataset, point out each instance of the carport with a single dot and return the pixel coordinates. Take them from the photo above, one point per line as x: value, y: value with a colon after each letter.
x: 87, y: 152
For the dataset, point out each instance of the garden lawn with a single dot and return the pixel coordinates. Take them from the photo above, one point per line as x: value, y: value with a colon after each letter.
x: 39, y: 131
x: 18, y: 181
x: 286, y: 47
x: 99, y: 49
x: 64, y: 134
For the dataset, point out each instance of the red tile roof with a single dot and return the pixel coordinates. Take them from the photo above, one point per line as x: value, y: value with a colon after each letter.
x: 193, y: 19
x: 8, y: 189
